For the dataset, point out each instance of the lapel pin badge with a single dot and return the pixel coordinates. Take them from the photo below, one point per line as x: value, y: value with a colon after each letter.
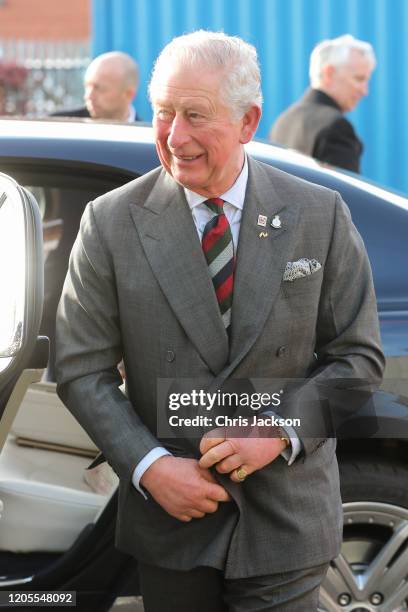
x: 263, y: 234
x: 276, y: 222
x: 262, y: 220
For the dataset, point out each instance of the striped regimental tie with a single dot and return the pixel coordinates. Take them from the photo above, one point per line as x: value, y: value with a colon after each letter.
x: 218, y: 249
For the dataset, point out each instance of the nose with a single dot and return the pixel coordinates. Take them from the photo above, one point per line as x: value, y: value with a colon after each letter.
x: 179, y: 134
x: 364, y: 88
x: 89, y: 93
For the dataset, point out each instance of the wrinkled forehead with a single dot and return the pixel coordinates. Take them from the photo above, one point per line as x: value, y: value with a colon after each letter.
x: 190, y: 59
x: 187, y: 79
x: 181, y: 66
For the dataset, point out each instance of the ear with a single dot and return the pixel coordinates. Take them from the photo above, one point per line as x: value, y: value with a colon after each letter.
x: 328, y: 72
x: 250, y: 122
x: 130, y: 93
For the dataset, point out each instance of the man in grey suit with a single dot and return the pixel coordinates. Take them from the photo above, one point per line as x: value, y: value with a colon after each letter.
x: 212, y: 267
x: 340, y: 70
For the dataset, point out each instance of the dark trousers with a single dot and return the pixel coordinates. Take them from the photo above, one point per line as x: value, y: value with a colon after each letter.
x: 204, y: 589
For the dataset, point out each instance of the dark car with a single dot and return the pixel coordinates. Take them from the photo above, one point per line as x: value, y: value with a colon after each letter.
x: 58, y: 519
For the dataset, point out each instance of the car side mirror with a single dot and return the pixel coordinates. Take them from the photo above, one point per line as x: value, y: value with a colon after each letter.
x: 21, y: 277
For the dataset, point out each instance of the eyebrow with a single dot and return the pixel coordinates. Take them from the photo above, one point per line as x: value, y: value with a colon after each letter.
x: 189, y: 105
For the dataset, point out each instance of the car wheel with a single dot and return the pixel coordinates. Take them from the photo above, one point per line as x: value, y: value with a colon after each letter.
x: 371, y: 572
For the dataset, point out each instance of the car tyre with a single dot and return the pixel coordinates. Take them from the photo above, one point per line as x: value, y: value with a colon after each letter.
x: 371, y: 572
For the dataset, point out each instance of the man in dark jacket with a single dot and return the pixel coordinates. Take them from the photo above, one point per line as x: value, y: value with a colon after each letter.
x: 340, y: 70
x: 111, y: 82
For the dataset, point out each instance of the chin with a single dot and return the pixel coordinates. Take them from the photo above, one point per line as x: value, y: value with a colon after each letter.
x: 185, y: 181
x: 185, y: 178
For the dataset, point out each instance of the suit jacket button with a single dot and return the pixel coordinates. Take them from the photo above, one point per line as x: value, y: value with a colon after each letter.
x: 170, y: 356
x: 281, y: 351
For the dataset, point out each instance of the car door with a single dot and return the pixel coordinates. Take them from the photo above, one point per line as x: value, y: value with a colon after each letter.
x: 22, y: 353
x: 88, y: 565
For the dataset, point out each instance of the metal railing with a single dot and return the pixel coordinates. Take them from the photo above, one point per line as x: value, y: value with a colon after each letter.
x: 54, y: 77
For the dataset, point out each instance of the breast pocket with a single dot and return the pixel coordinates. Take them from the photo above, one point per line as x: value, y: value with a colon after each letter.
x: 305, y: 285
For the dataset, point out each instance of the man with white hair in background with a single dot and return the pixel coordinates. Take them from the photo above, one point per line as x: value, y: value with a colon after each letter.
x: 215, y: 267
x: 111, y: 82
x: 340, y: 70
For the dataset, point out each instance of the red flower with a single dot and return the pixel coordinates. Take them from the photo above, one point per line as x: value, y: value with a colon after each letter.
x: 12, y: 74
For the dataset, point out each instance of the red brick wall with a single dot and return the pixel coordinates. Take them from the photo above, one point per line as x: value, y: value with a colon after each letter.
x: 45, y: 19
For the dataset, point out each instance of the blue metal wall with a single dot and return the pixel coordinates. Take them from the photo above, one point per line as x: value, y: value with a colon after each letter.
x: 284, y: 32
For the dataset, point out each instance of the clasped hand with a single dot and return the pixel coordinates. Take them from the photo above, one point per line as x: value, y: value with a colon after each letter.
x: 229, y: 448
x: 186, y: 489
x: 183, y: 488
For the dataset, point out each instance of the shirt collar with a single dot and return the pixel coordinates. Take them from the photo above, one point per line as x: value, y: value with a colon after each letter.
x: 132, y: 115
x: 235, y: 195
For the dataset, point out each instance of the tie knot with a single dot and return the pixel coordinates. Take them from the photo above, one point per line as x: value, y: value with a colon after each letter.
x: 216, y: 205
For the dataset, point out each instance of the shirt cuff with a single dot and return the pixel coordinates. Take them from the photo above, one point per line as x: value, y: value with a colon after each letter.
x: 144, y: 464
x: 289, y: 454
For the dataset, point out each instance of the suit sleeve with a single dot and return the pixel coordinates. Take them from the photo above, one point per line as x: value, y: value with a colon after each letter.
x: 338, y: 145
x: 349, y: 359
x: 89, y: 347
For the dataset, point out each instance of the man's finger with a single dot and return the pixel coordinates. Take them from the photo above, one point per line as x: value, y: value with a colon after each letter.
x: 207, y: 475
x: 243, y: 469
x: 217, y: 493
x: 209, y: 506
x: 184, y: 517
x: 208, y: 442
x: 216, y: 453
x: 196, y: 514
x: 229, y: 464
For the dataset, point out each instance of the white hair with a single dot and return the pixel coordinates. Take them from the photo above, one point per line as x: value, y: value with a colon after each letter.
x: 336, y: 52
x: 241, y: 82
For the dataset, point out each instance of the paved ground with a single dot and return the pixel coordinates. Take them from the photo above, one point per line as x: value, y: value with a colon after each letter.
x: 128, y: 604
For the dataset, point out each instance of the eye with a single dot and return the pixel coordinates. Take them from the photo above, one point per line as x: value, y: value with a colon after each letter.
x: 195, y: 116
x: 164, y: 114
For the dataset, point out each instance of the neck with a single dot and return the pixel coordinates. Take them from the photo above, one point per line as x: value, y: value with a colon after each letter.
x: 227, y: 184
x: 123, y: 116
x: 327, y: 91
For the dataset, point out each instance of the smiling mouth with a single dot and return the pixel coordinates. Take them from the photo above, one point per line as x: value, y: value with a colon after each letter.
x: 186, y: 158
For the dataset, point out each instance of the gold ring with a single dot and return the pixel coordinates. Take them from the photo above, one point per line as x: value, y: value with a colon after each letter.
x: 241, y: 474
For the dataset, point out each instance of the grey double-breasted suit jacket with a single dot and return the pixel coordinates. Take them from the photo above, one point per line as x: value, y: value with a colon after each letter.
x: 138, y: 286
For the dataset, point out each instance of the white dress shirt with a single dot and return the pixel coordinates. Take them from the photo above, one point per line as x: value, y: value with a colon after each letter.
x: 132, y: 115
x: 233, y: 204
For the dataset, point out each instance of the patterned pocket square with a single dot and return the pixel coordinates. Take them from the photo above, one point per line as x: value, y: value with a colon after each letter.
x: 301, y: 267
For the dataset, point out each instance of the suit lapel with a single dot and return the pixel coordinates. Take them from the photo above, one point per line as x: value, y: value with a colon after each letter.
x: 172, y: 246
x: 260, y: 260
